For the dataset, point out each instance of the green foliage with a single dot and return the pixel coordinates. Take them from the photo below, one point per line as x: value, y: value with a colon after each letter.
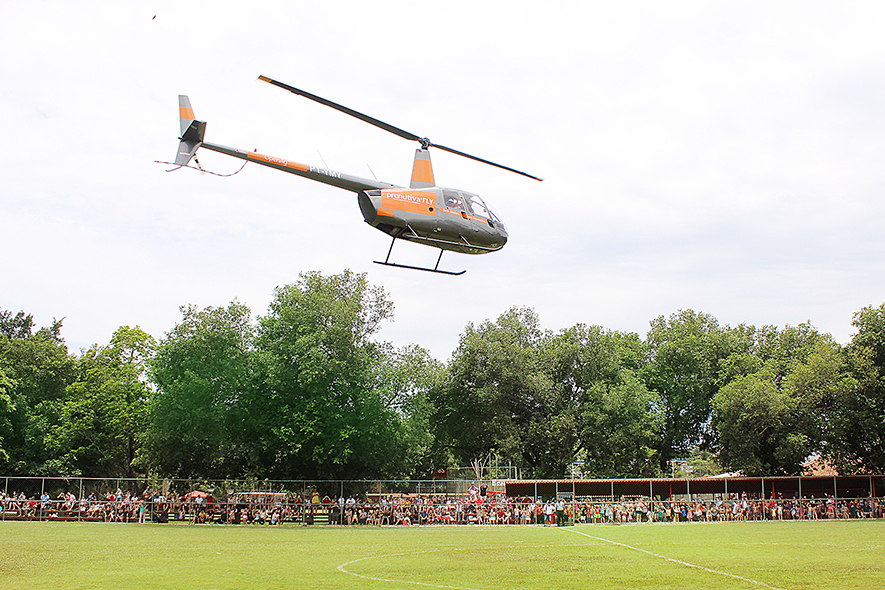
x: 405, y: 379
x: 204, y: 371
x: 6, y: 408
x: 619, y: 421
x: 324, y: 418
x: 857, y: 441
x: 685, y: 365
x: 104, y: 417
x: 702, y: 463
x: 305, y: 392
x: 771, y: 420
x: 17, y: 327
x: 500, y: 397
x: 35, y: 370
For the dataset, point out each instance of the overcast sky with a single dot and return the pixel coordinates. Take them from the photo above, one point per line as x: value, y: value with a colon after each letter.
x: 719, y: 156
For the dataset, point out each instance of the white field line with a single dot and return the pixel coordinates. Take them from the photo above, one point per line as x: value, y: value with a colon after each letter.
x: 343, y: 567
x: 672, y: 560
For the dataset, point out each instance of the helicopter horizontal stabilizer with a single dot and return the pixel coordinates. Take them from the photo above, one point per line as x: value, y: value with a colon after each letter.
x: 192, y: 132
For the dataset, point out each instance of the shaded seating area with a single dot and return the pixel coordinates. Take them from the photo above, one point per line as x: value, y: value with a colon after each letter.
x: 842, y: 487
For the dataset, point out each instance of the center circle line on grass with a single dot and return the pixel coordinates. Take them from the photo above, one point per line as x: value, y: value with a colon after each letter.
x: 677, y: 561
x: 343, y: 567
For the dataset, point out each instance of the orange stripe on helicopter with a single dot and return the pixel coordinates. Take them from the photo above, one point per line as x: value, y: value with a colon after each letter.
x: 464, y: 215
x: 278, y: 161
x: 422, y: 172
x: 186, y: 113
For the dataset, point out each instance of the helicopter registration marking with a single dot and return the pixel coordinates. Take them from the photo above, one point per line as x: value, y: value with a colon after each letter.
x: 324, y: 171
x: 411, y: 201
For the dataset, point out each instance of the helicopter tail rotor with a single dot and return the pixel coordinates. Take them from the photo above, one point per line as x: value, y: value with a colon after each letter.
x: 192, y: 132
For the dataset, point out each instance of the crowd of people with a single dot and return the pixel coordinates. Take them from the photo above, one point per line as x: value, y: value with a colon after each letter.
x: 107, y: 507
x: 478, y: 506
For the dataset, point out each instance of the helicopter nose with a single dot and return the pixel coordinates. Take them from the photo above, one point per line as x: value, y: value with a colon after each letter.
x: 502, y: 233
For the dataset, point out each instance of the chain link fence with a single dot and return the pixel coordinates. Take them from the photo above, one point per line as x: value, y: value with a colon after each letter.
x: 222, y: 490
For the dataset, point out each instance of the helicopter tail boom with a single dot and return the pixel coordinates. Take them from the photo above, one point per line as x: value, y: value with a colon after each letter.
x: 192, y: 132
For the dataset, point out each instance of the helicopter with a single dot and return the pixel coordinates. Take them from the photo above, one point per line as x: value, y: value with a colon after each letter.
x: 423, y: 213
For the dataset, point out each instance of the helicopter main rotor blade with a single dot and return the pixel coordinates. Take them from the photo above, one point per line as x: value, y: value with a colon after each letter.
x: 484, y: 161
x: 362, y: 117
x: 425, y: 143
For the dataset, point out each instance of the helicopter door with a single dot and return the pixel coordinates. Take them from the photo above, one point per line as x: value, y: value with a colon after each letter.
x: 481, y: 217
x: 453, y: 201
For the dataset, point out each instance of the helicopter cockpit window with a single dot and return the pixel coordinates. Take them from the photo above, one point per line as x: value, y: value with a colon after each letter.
x: 479, y: 208
x: 453, y: 200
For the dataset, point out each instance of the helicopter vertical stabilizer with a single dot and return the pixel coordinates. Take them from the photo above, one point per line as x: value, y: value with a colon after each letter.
x: 422, y: 170
x: 191, y: 132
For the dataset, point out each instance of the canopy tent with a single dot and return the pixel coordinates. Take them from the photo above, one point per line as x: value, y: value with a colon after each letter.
x: 192, y: 497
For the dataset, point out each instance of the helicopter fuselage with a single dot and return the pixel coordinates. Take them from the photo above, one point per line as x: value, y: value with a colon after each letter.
x: 448, y: 219
x: 444, y: 218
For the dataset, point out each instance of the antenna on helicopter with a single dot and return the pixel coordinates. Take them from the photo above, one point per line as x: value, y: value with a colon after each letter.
x: 372, y: 171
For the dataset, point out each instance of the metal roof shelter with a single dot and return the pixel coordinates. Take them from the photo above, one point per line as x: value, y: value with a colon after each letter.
x: 840, y: 486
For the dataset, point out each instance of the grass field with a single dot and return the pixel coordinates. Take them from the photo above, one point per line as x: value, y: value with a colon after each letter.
x: 782, y: 555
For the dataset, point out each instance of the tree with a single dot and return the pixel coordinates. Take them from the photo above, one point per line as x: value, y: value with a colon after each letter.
x: 7, y: 386
x: 771, y: 420
x: 36, y: 370
x: 619, y: 421
x: 500, y: 397
x: 205, y: 371
x: 405, y: 379
x: 16, y: 327
x: 686, y: 355
x: 104, y: 416
x: 322, y: 415
x: 857, y: 440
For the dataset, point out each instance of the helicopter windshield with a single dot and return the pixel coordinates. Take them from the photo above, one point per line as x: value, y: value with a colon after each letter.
x: 476, y: 206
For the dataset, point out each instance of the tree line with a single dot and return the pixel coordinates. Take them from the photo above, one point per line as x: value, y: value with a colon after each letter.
x: 306, y: 392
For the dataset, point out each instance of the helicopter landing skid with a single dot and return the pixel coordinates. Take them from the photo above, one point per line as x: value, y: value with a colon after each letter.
x: 434, y: 269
